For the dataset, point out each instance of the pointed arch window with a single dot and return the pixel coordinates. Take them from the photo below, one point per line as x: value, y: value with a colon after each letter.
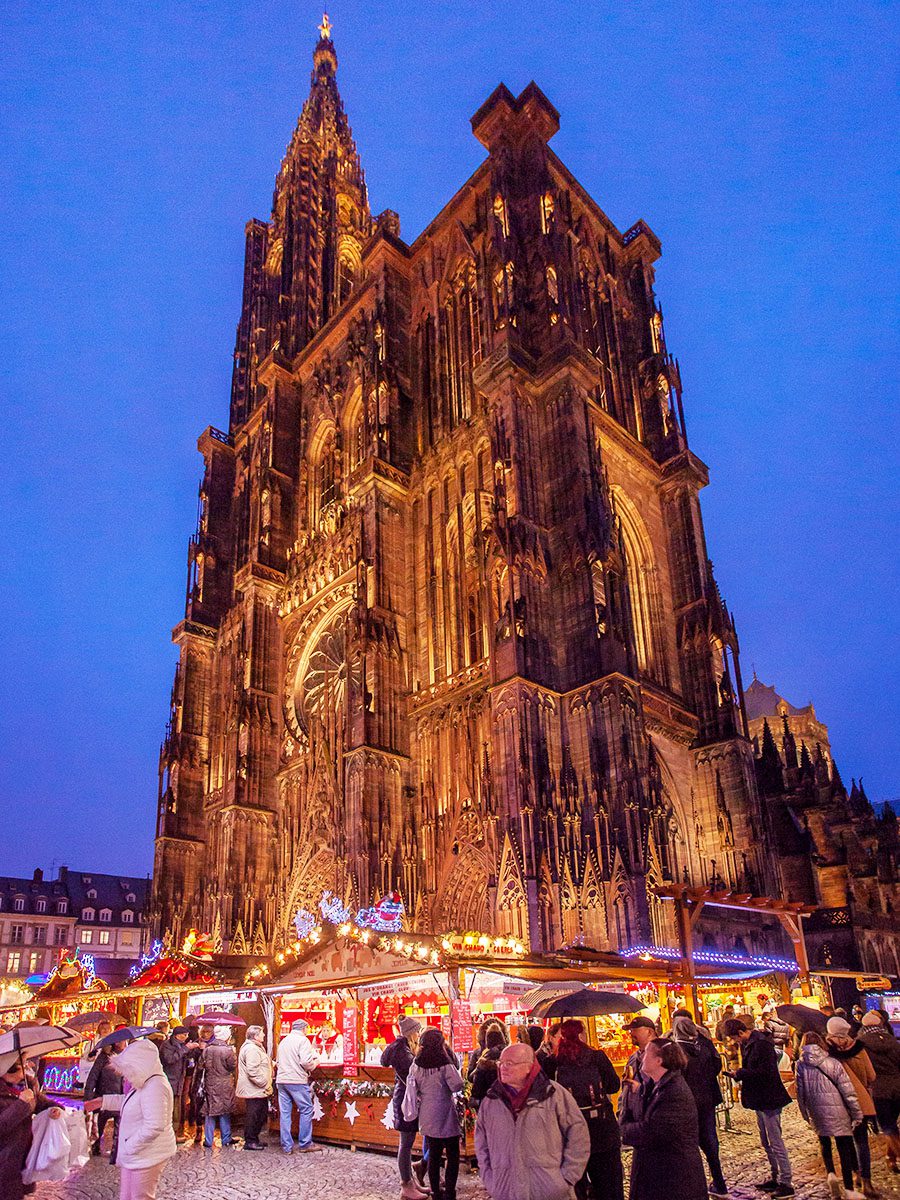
x: 348, y: 267
x: 553, y: 294
x: 546, y: 211
x: 324, y: 477
x: 501, y: 215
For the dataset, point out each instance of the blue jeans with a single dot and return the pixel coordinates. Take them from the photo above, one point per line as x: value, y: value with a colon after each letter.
x: 290, y: 1094
x: 209, y: 1130
x: 769, y: 1122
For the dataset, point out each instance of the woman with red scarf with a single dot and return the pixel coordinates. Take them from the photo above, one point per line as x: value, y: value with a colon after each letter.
x: 591, y: 1078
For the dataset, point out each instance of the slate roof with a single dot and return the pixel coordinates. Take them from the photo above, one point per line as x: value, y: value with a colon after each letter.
x: 112, y: 892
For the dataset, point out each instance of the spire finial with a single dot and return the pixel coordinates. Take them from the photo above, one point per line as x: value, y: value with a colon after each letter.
x: 325, y: 28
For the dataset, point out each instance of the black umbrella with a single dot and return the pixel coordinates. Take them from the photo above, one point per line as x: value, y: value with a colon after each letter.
x: 802, y: 1017
x: 585, y: 1003
x: 128, y: 1033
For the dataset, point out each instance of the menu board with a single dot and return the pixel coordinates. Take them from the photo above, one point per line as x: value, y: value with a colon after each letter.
x: 461, y: 1025
x: 351, y: 1040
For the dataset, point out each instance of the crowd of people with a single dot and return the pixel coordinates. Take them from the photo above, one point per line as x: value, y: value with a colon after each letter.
x: 551, y: 1113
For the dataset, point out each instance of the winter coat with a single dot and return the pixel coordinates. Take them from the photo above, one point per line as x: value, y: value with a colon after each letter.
x: 429, y: 1096
x: 15, y: 1139
x: 485, y: 1074
x: 825, y: 1096
x: 296, y: 1058
x: 173, y: 1055
x: 146, y: 1136
x: 399, y: 1057
x: 103, y: 1077
x: 702, y: 1072
x: 666, y: 1164
x: 219, y: 1063
x: 859, y: 1067
x: 761, y: 1086
x: 254, y: 1067
x: 779, y: 1031
x: 883, y: 1050
x: 539, y: 1154
x: 592, y: 1079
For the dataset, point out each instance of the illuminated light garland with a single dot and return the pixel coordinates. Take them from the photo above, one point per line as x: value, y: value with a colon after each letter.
x: 148, y: 958
x: 60, y: 1079
x: 712, y: 958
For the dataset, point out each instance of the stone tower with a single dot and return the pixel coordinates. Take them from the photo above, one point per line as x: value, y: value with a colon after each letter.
x: 451, y: 628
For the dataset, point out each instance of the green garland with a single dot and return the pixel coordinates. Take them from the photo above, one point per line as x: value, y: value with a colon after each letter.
x: 337, y: 1089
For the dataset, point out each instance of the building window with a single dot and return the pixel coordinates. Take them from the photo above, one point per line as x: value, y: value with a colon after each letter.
x: 88, y: 914
x: 87, y: 936
x: 131, y: 898
x: 126, y: 938
x: 127, y: 916
x: 17, y: 934
x: 546, y: 212
x: 60, y: 936
x: 105, y: 914
x: 104, y: 937
x: 34, y: 962
x: 41, y: 905
x: 19, y: 905
x: 501, y: 215
x: 62, y: 907
x: 13, y: 959
x: 92, y: 894
x: 40, y: 935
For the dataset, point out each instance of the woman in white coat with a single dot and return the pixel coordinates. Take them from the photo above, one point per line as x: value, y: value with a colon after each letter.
x: 146, y: 1136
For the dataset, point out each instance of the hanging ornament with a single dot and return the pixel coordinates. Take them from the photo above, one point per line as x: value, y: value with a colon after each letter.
x: 318, y: 1111
x: 350, y: 1111
x: 388, y: 1119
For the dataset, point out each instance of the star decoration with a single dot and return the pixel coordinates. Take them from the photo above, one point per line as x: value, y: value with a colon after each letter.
x: 318, y: 1111
x: 350, y: 1111
x: 388, y: 1119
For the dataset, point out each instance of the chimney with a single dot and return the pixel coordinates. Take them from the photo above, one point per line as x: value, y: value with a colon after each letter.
x: 38, y: 876
x: 63, y: 874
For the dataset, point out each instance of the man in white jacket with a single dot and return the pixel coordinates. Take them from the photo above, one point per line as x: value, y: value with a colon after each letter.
x: 296, y: 1059
x: 146, y: 1136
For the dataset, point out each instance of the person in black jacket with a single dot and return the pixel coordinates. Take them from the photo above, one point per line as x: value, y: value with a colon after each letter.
x: 105, y: 1080
x: 763, y: 1091
x: 701, y: 1074
x: 486, y: 1069
x: 399, y: 1056
x: 591, y: 1078
x: 664, y: 1132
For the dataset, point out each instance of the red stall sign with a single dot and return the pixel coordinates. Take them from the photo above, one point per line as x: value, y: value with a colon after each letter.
x: 461, y: 1021
x: 351, y: 1041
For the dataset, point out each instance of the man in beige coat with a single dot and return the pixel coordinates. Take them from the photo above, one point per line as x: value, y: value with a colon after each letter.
x: 254, y: 1085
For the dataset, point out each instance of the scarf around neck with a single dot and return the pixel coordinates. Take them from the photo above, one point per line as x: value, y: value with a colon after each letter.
x: 517, y: 1099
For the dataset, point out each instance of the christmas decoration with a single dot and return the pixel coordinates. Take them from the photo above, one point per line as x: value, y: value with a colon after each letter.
x: 318, y: 1111
x: 388, y: 1119
x: 386, y: 916
x: 350, y: 1111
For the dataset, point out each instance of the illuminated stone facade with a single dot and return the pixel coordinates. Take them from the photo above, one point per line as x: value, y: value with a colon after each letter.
x: 451, y: 628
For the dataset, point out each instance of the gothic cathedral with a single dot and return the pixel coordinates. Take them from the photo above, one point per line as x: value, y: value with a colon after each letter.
x: 451, y: 628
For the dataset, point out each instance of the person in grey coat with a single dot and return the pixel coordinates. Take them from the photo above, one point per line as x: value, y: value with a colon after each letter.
x: 531, y: 1140
x: 666, y: 1164
x: 219, y: 1064
x: 827, y: 1101
x: 432, y: 1085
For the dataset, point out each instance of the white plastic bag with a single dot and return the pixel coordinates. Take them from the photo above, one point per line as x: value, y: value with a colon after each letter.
x: 48, y: 1157
x: 79, y: 1148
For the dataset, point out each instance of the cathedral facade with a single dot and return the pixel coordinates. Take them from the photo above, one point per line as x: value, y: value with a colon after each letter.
x: 451, y: 627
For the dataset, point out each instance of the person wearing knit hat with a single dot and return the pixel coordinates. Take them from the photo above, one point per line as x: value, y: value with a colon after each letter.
x: 399, y: 1057
x: 883, y: 1050
x: 852, y: 1056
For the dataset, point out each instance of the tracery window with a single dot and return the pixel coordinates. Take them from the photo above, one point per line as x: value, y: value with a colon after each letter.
x: 460, y: 345
x: 553, y: 294
x: 546, y: 211
x: 503, y: 294
x: 324, y: 478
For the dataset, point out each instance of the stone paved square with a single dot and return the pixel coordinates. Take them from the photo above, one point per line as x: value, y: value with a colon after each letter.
x: 339, y: 1172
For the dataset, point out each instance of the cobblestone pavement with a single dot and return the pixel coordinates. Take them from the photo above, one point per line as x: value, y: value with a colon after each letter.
x: 338, y: 1172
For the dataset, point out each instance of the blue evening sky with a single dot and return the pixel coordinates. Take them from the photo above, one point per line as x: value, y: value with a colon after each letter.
x: 757, y: 140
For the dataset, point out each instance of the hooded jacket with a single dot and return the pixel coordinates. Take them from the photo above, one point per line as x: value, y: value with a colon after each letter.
x: 859, y: 1067
x: 219, y: 1065
x: 883, y: 1050
x: 146, y: 1136
x: 430, y: 1093
x: 539, y: 1154
x: 666, y: 1141
x: 703, y: 1068
x: 825, y: 1095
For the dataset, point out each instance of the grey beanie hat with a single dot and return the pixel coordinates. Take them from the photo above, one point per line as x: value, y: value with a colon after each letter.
x: 409, y: 1026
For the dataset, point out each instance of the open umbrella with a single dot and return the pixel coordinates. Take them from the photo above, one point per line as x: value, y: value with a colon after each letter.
x: 802, y: 1017
x: 218, y: 1018
x: 127, y: 1033
x: 33, y: 1041
x: 87, y: 1020
x: 585, y: 1003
